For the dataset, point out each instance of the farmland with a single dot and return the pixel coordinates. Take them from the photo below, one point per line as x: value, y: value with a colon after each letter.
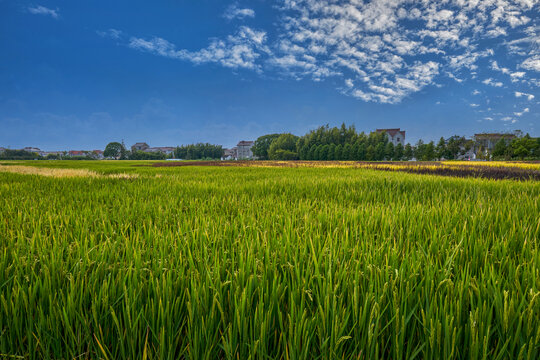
x: 124, y: 260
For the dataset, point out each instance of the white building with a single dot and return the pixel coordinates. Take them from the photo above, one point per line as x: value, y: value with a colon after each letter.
x: 243, y: 151
x: 396, y: 136
x: 32, y: 149
x: 142, y: 146
x: 230, y: 154
x: 167, y: 150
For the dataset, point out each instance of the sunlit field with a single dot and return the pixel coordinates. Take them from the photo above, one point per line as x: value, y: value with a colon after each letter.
x: 125, y: 260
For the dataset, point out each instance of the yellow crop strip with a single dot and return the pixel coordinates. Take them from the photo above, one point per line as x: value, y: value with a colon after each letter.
x: 61, y: 172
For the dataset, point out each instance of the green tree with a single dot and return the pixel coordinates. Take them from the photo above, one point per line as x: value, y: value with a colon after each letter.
x: 370, y: 153
x: 380, y: 151
x: 142, y: 155
x: 317, y: 153
x: 361, y: 151
x: 524, y: 146
x: 429, y: 152
x: 338, y: 153
x: 9, y: 154
x: 304, y: 152
x: 398, y: 153
x: 456, y: 146
x: 419, y: 149
x: 521, y: 152
x: 324, y: 152
x: 408, y: 152
x: 389, y: 151
x: 199, y: 151
x: 355, y: 151
x: 262, y: 145
x: 536, y: 149
x: 441, y: 149
x: 114, y: 150
x: 285, y: 142
x: 331, y: 152
x: 347, y: 152
x: 500, y: 149
x: 282, y: 154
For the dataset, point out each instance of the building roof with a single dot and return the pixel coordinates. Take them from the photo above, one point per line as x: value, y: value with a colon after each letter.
x: 77, y: 152
x: 392, y: 132
x: 139, y: 144
x: 245, y: 143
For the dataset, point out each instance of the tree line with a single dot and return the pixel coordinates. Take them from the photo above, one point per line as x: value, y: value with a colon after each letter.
x: 9, y: 154
x: 326, y: 143
x: 345, y: 143
x: 198, y: 151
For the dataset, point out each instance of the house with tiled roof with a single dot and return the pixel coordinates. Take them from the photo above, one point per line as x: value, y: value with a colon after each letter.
x: 77, y: 153
x: 229, y: 154
x: 140, y: 146
x: 396, y: 136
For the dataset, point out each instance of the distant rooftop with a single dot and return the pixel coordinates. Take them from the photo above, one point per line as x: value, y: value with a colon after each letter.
x: 392, y: 132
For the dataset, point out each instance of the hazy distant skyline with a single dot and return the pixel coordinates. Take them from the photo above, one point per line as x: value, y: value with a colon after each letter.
x: 79, y: 75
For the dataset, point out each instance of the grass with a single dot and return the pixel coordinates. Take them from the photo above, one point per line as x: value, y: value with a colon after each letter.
x: 259, y: 263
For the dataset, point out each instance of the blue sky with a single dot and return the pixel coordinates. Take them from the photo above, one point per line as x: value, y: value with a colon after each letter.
x: 77, y: 75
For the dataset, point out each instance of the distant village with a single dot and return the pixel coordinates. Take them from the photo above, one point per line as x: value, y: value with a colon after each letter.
x: 473, y: 148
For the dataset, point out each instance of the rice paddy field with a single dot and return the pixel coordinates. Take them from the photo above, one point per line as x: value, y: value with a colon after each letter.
x: 136, y: 260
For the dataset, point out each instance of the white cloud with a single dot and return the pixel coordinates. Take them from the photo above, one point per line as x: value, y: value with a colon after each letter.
x: 476, y: 92
x: 517, y: 75
x: 236, y: 51
x: 526, y: 110
x: 492, y: 82
x: 474, y: 105
x: 520, y: 94
x: 371, y: 47
x: 495, y: 66
x: 234, y: 12
x: 509, y: 119
x: 42, y: 10
x: 532, y: 63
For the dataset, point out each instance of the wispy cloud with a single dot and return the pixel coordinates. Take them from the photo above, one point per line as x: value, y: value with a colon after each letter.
x: 240, y: 50
x: 42, y: 10
x: 234, y: 12
x: 110, y: 33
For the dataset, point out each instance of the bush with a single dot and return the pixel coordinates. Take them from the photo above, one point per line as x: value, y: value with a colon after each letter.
x: 141, y: 155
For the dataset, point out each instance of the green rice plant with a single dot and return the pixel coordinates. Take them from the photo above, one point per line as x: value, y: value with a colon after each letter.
x: 267, y: 263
